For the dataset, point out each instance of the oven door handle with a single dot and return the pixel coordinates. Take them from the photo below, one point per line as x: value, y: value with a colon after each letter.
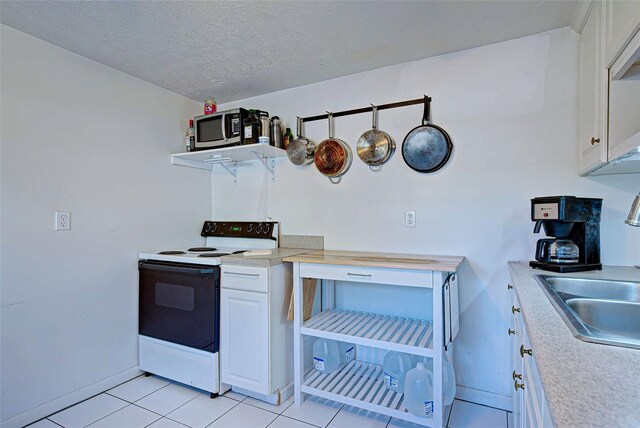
x: 176, y: 269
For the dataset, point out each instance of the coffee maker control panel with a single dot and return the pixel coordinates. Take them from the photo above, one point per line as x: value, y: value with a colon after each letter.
x: 545, y: 211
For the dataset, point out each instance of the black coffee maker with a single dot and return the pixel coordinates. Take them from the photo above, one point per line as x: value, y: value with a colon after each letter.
x: 574, y: 224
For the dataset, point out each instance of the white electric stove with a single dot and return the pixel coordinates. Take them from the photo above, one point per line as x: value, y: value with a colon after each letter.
x: 179, y: 302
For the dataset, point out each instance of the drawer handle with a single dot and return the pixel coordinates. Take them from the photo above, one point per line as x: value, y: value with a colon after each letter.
x: 253, y: 275
x: 594, y: 141
x: 517, y: 385
x: 514, y: 309
x: 362, y: 275
x: 525, y: 351
x: 515, y: 375
x: 511, y: 332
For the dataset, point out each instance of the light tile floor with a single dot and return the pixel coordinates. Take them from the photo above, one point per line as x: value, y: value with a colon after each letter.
x: 159, y: 403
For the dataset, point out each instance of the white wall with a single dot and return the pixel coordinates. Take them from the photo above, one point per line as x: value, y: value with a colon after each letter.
x: 80, y: 136
x: 511, y: 110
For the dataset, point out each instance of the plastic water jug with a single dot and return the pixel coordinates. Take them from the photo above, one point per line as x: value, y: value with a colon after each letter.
x: 448, y: 375
x: 347, y: 352
x: 326, y: 355
x: 418, y: 391
x: 396, y: 365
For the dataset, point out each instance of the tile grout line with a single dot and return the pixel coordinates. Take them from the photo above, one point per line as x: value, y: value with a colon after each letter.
x: 483, y: 405
x: 128, y: 404
x: 334, y: 416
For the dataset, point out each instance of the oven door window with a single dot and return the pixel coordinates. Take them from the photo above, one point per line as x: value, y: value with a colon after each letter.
x: 180, y: 304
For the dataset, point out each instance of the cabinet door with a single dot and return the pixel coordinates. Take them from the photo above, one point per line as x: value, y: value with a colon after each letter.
x: 592, y: 138
x: 622, y: 22
x: 244, y: 340
x: 516, y: 325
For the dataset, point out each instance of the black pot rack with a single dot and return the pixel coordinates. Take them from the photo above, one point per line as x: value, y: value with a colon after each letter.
x: 368, y: 109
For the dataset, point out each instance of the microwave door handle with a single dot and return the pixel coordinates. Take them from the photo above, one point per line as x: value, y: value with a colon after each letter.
x: 224, y: 126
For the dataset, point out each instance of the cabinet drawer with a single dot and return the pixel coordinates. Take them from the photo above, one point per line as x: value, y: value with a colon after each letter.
x: 413, y: 278
x: 245, y: 278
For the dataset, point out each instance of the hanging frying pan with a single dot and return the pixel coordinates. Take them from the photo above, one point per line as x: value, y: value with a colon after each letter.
x: 427, y: 147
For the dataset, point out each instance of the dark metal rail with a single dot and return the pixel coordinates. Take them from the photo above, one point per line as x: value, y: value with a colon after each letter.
x: 368, y: 109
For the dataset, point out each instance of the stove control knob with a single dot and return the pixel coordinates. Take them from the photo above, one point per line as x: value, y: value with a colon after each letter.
x: 259, y: 228
x: 250, y: 228
x: 207, y: 227
x: 214, y: 226
x: 267, y: 226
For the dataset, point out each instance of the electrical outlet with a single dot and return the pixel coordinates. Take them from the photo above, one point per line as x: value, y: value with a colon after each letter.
x: 63, y: 220
x: 410, y: 219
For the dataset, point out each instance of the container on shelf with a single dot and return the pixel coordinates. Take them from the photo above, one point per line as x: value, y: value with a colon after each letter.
x: 418, y: 391
x: 210, y: 105
x: 396, y: 365
x: 190, y: 137
x: 326, y: 355
x: 265, y: 128
x: 347, y: 352
x: 448, y: 375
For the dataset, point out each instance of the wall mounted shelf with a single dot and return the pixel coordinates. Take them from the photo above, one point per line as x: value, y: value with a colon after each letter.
x: 228, y: 158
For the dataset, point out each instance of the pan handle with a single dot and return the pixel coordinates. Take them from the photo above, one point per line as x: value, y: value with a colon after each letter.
x: 374, y: 120
x: 335, y: 180
x: 299, y: 131
x: 375, y: 168
x: 426, y: 117
x: 330, y: 120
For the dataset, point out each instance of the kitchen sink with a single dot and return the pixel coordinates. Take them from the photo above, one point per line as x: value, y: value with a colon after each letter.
x: 596, y: 310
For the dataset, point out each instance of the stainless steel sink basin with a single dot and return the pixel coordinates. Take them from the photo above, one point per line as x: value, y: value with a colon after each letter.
x: 601, y: 311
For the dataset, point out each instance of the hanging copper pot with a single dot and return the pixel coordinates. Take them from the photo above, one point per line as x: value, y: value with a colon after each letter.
x: 333, y: 156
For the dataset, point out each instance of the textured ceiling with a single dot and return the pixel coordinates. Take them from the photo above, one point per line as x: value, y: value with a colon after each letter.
x: 234, y: 50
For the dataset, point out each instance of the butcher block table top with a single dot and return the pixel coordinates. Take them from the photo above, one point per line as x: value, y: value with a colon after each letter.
x: 379, y: 260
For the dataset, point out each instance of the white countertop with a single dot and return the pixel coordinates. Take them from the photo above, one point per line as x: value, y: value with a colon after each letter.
x: 585, y: 384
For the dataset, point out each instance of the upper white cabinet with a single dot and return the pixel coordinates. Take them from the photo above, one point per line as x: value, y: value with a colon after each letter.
x: 609, y: 124
x: 622, y: 21
x: 592, y: 135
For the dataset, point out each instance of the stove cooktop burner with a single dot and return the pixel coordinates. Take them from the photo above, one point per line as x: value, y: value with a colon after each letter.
x: 239, y: 252
x: 200, y: 249
x: 171, y: 253
x: 213, y: 254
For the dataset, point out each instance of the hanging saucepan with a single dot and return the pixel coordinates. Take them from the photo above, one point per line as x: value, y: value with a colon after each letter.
x: 301, y: 150
x: 427, y: 147
x: 333, y: 156
x: 375, y: 147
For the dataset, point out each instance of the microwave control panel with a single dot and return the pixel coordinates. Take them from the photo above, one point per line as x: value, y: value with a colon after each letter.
x: 239, y: 229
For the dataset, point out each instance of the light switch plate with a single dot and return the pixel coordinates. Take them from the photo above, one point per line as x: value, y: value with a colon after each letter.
x: 63, y: 220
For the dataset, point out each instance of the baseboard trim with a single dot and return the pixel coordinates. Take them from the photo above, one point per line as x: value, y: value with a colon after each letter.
x: 490, y: 399
x: 58, y: 404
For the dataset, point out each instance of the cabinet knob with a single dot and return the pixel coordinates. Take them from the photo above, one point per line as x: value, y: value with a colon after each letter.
x: 511, y: 332
x: 594, y: 141
x: 525, y: 351
x: 514, y: 309
x: 515, y: 375
x: 517, y: 385
x: 509, y: 286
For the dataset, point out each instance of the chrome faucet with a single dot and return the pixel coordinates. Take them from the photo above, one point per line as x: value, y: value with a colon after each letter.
x: 634, y: 215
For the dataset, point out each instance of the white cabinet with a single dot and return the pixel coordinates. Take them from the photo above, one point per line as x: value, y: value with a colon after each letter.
x: 609, y: 89
x: 622, y: 21
x: 256, y: 339
x: 530, y: 407
x: 592, y: 126
x: 245, y: 340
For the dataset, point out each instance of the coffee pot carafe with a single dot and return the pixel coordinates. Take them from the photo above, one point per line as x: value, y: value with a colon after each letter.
x: 574, y: 224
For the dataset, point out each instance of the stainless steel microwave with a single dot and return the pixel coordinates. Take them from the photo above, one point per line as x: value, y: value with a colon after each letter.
x: 219, y: 129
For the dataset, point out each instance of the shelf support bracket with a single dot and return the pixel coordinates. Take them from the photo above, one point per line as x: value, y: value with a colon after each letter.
x: 266, y: 161
x: 233, y: 170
